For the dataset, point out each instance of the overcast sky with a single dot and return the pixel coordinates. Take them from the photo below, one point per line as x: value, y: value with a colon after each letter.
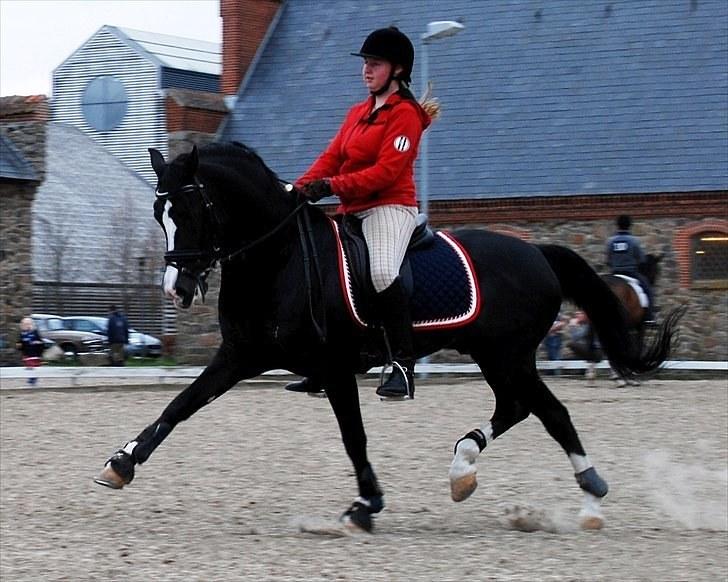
x: 38, y: 35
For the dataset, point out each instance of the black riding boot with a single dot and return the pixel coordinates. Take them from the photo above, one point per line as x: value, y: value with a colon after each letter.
x: 306, y: 385
x: 394, y: 310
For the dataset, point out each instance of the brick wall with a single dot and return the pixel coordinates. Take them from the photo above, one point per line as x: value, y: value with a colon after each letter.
x: 197, y: 111
x: 244, y: 26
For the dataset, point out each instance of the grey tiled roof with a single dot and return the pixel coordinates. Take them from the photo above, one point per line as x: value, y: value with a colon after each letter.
x: 90, y: 212
x: 176, y: 52
x: 539, y: 98
x: 13, y: 165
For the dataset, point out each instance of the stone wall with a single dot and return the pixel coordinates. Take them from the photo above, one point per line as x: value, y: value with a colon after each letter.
x: 23, y: 121
x: 16, y: 266
x: 703, y: 333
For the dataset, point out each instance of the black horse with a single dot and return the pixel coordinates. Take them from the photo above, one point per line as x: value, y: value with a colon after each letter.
x: 281, y: 306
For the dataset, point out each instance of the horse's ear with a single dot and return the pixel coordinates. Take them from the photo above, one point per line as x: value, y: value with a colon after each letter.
x: 157, y: 162
x: 192, y: 161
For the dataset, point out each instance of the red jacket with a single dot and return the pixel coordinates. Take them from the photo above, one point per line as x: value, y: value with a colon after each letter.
x: 370, y: 161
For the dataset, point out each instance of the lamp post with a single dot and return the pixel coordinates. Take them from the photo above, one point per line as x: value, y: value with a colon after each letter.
x: 435, y: 30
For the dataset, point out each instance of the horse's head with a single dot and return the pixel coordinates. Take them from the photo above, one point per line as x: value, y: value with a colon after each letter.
x: 185, y: 213
x: 651, y: 267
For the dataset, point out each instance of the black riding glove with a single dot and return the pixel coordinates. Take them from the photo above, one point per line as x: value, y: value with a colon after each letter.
x: 316, y: 190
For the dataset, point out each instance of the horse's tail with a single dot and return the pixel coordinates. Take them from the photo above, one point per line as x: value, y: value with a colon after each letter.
x: 581, y: 284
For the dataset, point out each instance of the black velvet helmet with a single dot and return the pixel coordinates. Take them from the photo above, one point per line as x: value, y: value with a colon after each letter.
x: 390, y: 44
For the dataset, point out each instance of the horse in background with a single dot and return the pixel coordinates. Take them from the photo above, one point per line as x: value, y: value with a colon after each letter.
x: 635, y: 311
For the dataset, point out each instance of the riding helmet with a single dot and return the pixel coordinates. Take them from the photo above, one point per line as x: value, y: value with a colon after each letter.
x: 390, y: 44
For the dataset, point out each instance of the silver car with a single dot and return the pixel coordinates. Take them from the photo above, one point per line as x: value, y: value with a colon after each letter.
x: 72, y: 341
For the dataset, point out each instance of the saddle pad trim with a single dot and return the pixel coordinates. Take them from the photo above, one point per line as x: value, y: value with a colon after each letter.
x: 426, y: 325
x: 637, y: 288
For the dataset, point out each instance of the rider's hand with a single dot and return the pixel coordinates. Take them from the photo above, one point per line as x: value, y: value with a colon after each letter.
x: 316, y: 190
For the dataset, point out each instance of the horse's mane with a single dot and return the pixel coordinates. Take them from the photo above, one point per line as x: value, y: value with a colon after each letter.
x: 236, y: 153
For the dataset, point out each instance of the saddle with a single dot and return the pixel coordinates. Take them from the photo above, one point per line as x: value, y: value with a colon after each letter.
x: 436, y: 272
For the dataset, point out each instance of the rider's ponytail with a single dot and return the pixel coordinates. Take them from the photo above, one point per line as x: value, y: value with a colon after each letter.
x: 429, y: 103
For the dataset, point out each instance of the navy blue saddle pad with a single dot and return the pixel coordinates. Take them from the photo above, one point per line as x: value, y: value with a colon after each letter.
x: 445, y: 292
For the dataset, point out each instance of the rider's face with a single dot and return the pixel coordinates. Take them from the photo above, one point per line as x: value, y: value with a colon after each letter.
x: 375, y: 73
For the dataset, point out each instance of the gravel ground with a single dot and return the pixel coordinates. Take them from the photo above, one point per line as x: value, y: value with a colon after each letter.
x: 235, y: 492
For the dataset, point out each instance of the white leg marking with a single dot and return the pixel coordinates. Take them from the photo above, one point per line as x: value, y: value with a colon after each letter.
x: 580, y: 462
x: 591, y: 516
x: 462, y: 469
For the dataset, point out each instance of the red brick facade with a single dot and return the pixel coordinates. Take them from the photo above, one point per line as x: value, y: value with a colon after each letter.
x: 185, y: 117
x: 245, y: 24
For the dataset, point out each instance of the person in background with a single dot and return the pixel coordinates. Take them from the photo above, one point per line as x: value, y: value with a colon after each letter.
x: 118, y: 330
x: 553, y: 343
x: 369, y: 166
x: 625, y: 256
x: 584, y: 343
x: 30, y: 346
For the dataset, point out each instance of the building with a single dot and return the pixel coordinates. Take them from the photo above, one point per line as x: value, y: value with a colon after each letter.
x: 95, y: 240
x: 130, y: 90
x: 558, y: 116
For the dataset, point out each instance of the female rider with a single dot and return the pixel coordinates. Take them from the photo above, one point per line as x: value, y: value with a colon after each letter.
x: 369, y: 165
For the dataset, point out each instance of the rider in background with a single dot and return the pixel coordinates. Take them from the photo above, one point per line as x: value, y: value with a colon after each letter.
x: 369, y: 165
x: 624, y: 257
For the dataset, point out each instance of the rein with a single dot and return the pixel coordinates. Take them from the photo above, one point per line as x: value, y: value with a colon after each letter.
x: 216, y: 255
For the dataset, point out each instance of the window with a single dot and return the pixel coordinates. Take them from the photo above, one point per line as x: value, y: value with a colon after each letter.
x: 701, y: 250
x: 104, y: 103
x: 709, y: 253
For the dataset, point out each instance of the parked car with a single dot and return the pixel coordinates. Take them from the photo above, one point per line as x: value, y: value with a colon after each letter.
x: 143, y: 345
x: 140, y: 344
x: 72, y: 341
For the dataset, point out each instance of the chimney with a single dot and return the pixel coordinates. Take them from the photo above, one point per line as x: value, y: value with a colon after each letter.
x: 244, y: 26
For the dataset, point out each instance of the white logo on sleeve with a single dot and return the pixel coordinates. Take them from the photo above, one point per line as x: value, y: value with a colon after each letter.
x: 401, y: 143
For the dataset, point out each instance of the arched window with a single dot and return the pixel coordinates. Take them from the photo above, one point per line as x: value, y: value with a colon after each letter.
x: 709, y: 253
x: 702, y: 254
x: 104, y: 103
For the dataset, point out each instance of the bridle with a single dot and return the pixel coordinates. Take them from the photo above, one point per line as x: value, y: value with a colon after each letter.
x: 217, y: 254
x: 180, y: 258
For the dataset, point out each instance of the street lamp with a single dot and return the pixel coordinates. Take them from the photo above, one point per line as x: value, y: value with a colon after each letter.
x: 435, y: 30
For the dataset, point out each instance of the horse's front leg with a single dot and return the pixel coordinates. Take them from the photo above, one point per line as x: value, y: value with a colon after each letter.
x: 222, y: 374
x: 344, y: 398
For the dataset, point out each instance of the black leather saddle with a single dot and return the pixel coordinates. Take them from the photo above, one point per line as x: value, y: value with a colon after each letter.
x: 357, y: 252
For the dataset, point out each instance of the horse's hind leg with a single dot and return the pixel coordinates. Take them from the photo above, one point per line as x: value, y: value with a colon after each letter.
x: 517, y: 395
x: 556, y: 420
x: 215, y: 380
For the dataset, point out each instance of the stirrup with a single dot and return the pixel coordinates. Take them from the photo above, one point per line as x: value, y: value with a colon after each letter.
x: 408, y: 377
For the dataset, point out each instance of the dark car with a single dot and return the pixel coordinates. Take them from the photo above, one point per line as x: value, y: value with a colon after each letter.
x: 140, y: 344
x: 72, y: 341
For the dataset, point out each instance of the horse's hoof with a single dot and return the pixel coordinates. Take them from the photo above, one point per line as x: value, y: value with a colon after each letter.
x: 463, y: 487
x: 358, y: 518
x: 110, y: 478
x: 590, y: 522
